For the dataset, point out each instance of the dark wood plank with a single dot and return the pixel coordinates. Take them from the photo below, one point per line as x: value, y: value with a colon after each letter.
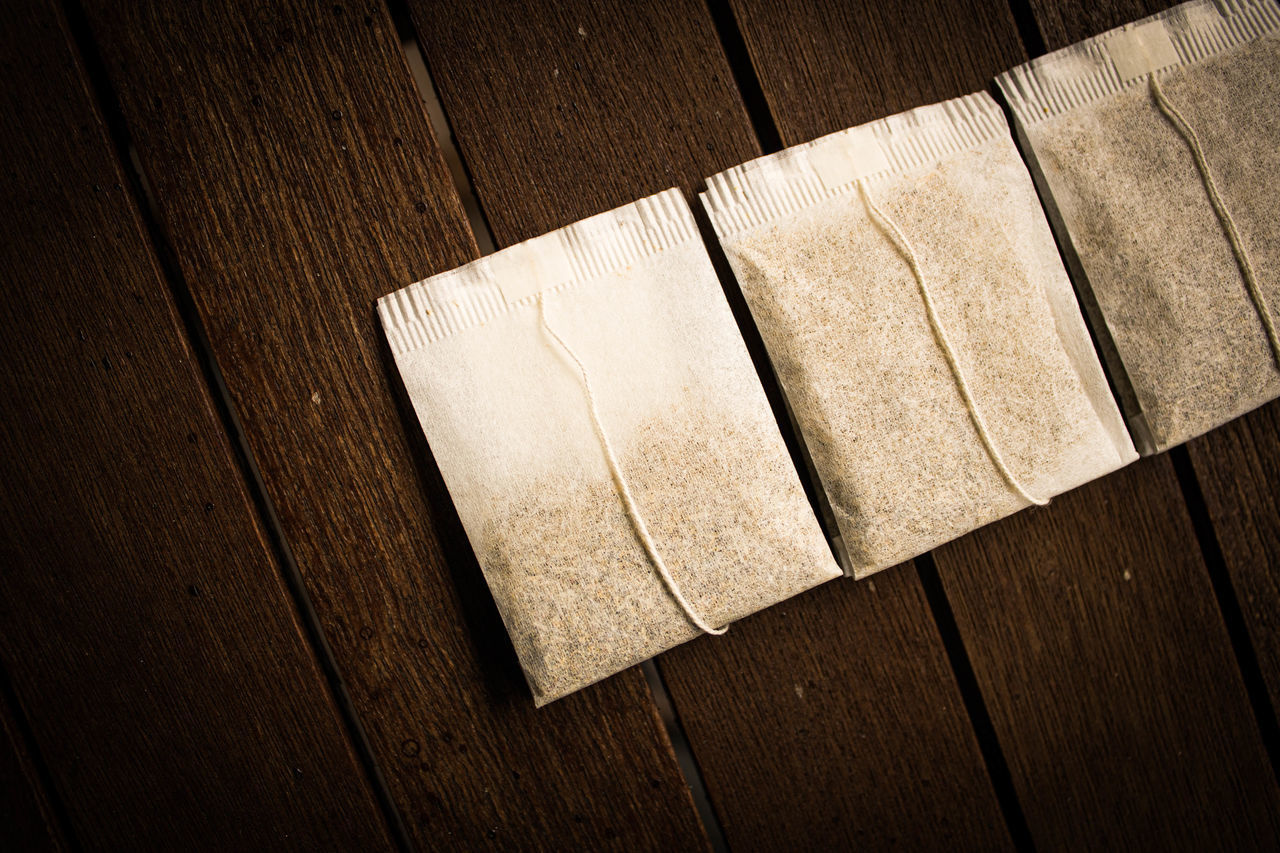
x: 27, y: 819
x: 583, y: 107
x: 832, y: 719
x: 1108, y: 674
x: 1238, y: 467
x: 1118, y: 705
x: 827, y: 66
x: 298, y: 180
x: 1235, y: 465
x: 145, y: 624
x: 1061, y: 23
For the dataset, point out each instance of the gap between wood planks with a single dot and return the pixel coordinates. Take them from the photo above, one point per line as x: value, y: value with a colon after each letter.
x: 62, y: 832
x: 108, y: 105
x: 484, y: 242
x: 1229, y: 606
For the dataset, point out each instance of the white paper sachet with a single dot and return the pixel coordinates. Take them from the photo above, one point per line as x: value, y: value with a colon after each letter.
x: 1156, y: 147
x: 921, y: 325
x: 594, y: 413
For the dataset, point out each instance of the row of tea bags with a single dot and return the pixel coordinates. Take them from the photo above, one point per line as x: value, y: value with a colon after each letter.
x: 604, y: 435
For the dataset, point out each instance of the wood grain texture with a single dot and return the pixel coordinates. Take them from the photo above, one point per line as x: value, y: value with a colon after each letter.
x: 1101, y: 652
x: 298, y: 181
x: 27, y: 819
x: 144, y: 622
x: 832, y: 719
x: 1238, y: 467
x: 827, y: 66
x: 1117, y: 705
x: 583, y: 107
x: 1064, y: 22
x: 1237, y: 464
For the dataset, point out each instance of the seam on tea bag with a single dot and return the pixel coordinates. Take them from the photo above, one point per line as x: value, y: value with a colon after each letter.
x: 903, y: 245
x: 773, y: 187
x: 624, y: 490
x: 1220, y: 208
x: 586, y: 251
x: 1097, y: 67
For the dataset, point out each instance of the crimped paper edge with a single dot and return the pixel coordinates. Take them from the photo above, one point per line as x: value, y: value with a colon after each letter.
x: 772, y: 187
x: 443, y: 305
x: 1085, y: 72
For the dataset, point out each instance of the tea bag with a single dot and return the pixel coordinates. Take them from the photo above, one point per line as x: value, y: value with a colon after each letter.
x: 921, y: 325
x: 605, y: 438
x: 1157, y: 147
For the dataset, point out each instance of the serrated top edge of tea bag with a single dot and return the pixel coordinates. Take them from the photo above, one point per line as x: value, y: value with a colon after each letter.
x: 470, y: 295
x: 1117, y: 59
x: 771, y: 187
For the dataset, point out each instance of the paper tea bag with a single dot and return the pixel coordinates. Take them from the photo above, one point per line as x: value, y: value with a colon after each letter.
x: 921, y: 325
x: 1157, y: 148
x: 606, y: 441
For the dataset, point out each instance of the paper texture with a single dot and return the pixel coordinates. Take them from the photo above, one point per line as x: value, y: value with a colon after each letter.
x: 508, y: 418
x: 841, y: 313
x: 1183, y: 339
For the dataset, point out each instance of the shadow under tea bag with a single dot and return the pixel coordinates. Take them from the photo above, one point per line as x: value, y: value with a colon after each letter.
x: 605, y: 438
x: 921, y: 325
x: 1157, y: 149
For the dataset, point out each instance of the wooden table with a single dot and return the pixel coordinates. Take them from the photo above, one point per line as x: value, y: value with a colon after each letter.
x: 237, y: 610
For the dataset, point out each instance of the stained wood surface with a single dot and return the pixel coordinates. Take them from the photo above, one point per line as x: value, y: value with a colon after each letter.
x: 1064, y: 22
x: 1113, y: 701
x: 27, y: 818
x: 147, y: 628
x: 298, y: 181
x: 1238, y: 467
x: 832, y: 719
x: 583, y: 107
x: 144, y: 623
x: 826, y: 66
x: 1103, y: 658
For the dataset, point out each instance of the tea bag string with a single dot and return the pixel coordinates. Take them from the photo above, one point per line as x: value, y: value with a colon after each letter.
x: 903, y: 245
x: 624, y: 490
x: 1220, y: 208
